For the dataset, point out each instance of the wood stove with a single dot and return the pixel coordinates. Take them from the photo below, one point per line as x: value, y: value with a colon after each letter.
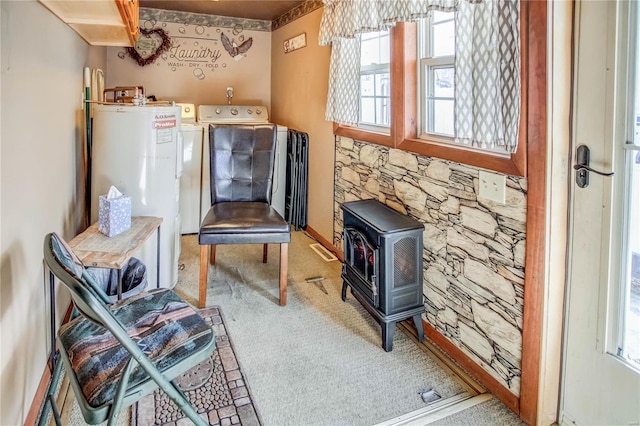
x: 383, y: 264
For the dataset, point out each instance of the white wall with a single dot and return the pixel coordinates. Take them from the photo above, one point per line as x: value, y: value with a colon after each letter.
x: 41, y: 175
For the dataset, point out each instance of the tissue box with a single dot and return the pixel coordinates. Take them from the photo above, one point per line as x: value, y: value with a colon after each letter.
x: 114, y: 215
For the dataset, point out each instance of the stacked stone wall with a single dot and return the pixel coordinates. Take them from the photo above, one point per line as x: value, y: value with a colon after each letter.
x: 473, y: 247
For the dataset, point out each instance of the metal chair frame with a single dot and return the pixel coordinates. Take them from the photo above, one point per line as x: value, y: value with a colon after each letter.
x: 93, y: 304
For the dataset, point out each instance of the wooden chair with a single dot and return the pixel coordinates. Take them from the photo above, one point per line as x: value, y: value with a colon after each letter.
x: 114, y: 354
x: 241, y: 159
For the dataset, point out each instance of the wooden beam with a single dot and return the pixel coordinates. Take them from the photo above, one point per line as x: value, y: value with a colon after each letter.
x: 536, y: 209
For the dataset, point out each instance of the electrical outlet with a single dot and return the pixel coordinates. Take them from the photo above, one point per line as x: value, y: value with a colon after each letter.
x: 492, y: 186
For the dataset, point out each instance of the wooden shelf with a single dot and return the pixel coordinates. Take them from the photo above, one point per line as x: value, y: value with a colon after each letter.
x: 99, y: 23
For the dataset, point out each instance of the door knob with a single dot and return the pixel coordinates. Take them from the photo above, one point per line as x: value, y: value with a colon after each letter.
x: 582, y: 167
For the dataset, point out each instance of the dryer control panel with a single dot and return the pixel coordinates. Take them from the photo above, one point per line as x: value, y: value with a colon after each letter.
x: 233, y: 114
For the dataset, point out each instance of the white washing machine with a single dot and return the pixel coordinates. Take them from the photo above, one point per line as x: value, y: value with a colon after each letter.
x: 191, y: 180
x: 242, y: 114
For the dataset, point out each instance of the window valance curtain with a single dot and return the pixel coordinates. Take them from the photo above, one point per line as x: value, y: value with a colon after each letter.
x: 487, y: 76
x: 348, y: 18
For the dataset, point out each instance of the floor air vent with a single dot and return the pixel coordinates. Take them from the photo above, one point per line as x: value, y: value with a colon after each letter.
x: 325, y: 254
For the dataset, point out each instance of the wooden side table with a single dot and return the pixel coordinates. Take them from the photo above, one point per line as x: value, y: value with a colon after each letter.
x: 95, y: 249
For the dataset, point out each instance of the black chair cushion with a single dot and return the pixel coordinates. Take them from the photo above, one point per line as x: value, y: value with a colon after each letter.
x: 243, y: 223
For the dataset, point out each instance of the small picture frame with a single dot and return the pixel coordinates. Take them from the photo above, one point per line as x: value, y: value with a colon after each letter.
x: 295, y: 43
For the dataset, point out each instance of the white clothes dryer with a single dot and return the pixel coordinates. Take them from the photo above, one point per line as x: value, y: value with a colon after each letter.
x: 191, y: 180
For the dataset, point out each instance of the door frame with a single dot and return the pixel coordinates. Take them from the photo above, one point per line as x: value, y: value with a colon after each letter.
x: 549, y: 179
x: 536, y: 257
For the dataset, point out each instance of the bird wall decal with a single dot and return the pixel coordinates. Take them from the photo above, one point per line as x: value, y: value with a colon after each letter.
x: 236, y: 51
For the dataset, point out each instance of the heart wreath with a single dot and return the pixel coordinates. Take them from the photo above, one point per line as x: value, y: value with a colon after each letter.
x: 150, y: 45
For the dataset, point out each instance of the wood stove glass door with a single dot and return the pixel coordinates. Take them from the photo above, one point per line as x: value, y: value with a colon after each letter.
x: 361, y: 264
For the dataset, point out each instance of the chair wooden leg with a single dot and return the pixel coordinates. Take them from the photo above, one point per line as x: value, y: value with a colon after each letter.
x: 265, y: 252
x: 204, y: 268
x: 284, y: 256
x: 212, y: 254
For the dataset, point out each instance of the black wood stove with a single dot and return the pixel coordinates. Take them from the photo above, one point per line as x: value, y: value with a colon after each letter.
x: 383, y: 264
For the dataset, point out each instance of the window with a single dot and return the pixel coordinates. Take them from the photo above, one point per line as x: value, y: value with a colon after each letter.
x: 412, y: 125
x: 436, y: 50
x: 375, y: 81
x: 437, y: 74
x: 628, y: 302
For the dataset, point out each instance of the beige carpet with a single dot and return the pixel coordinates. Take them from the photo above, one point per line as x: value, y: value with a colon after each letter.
x: 319, y: 360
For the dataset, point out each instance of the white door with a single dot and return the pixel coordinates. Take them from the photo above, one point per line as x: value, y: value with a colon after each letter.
x: 601, y: 371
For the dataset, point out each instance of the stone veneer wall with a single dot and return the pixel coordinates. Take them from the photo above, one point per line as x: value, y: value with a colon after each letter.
x: 473, y: 248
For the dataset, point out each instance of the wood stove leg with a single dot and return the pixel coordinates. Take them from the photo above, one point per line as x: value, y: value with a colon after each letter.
x: 417, y: 321
x: 344, y: 291
x: 265, y: 252
x: 388, y: 328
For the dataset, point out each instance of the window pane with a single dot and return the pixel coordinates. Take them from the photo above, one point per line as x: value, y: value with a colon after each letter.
x: 629, y: 303
x: 367, y: 110
x: 437, y: 74
x: 367, y: 87
x: 631, y: 312
x: 385, y: 51
x: 374, y: 48
x: 375, y: 87
x: 438, y: 16
x: 382, y: 112
x: 443, y: 116
x: 370, y: 52
x: 383, y: 85
x: 444, y: 83
x: 375, y: 92
x: 443, y: 39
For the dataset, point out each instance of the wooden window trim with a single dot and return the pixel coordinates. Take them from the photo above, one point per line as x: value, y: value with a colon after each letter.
x: 403, y: 134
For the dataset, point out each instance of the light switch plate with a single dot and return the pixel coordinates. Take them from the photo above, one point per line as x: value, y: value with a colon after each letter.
x: 492, y: 186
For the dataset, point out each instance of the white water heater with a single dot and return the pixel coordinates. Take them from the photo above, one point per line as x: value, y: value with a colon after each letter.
x: 138, y: 149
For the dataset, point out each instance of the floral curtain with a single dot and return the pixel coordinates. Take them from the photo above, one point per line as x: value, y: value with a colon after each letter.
x: 487, y: 61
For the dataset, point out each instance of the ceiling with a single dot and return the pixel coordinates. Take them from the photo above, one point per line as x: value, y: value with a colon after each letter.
x: 250, y: 9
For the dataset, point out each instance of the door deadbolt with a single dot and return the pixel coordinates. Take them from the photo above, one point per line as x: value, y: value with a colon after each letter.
x: 582, y: 167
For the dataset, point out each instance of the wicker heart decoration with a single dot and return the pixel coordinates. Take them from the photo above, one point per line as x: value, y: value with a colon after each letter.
x: 150, y: 45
